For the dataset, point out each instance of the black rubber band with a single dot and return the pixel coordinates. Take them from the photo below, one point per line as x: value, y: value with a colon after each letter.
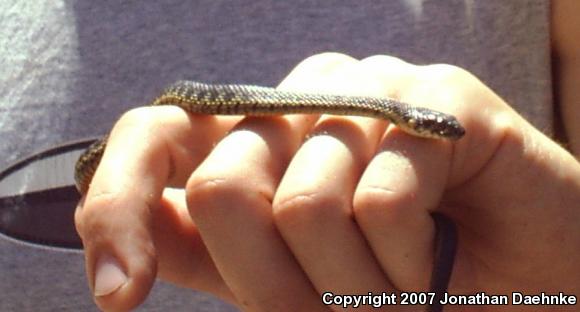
x: 445, y: 249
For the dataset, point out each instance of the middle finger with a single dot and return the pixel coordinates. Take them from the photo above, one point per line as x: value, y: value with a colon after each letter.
x: 229, y: 198
x: 313, y: 204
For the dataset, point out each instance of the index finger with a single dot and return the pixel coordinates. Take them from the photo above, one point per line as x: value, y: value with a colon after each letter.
x: 153, y: 146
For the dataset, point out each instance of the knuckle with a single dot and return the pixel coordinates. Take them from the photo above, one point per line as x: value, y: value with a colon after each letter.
x: 202, y: 192
x: 323, y: 62
x: 138, y: 119
x: 206, y: 186
x: 447, y: 72
x: 138, y: 115
x: 308, y: 207
x: 382, y: 61
x: 92, y: 219
x: 380, y: 203
x: 199, y: 190
x: 146, y: 121
x: 79, y: 221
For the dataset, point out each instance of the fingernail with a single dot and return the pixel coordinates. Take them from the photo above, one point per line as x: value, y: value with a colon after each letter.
x: 109, y: 276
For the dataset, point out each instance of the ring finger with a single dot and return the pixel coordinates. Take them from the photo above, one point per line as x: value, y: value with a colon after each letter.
x: 313, y: 204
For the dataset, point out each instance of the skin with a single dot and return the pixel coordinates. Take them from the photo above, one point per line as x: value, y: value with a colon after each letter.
x: 566, y: 55
x: 277, y: 210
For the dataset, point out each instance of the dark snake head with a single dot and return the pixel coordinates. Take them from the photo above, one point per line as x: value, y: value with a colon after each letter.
x: 428, y: 123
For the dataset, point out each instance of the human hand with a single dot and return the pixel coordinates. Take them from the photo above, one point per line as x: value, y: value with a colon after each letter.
x: 283, y: 209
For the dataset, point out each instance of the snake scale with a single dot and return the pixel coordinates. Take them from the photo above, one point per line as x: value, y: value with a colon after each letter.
x: 235, y: 99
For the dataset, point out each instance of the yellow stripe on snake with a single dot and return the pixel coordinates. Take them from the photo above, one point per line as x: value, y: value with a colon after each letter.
x: 215, y: 99
x: 200, y: 98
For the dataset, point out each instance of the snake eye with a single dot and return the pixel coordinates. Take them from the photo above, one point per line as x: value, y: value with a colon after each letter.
x: 433, y: 124
x: 453, y: 130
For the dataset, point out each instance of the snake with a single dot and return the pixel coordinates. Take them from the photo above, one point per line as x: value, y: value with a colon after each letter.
x: 238, y: 99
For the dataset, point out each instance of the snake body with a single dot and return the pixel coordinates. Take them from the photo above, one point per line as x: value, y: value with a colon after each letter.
x: 200, y: 98
x: 235, y: 99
